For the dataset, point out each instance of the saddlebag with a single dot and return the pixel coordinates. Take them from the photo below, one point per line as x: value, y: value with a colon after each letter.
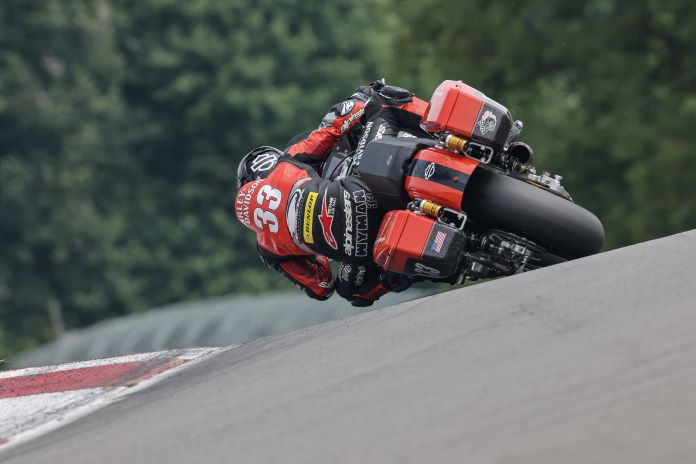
x: 413, y: 244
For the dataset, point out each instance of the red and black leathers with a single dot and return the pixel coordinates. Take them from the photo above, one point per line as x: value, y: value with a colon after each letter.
x: 300, y: 219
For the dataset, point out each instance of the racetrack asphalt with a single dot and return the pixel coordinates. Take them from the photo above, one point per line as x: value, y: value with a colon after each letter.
x: 589, y: 361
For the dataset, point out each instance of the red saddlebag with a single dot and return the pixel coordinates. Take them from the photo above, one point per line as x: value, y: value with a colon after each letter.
x: 413, y: 244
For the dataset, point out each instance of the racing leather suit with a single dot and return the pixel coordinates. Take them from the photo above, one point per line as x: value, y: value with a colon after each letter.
x: 302, y: 220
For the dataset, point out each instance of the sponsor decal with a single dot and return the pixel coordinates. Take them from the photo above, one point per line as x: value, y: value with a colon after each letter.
x: 326, y: 284
x: 348, y: 234
x: 361, y: 144
x: 438, y: 242
x: 360, y: 278
x: 243, y: 201
x: 349, y: 122
x: 326, y: 219
x: 346, y: 107
x: 429, y: 171
x: 370, y: 200
x: 267, y: 200
x: 264, y: 162
x: 380, y: 132
x: 344, y: 273
x: 424, y: 270
x: 309, y: 217
x: 488, y: 122
x: 406, y: 135
x: 363, y: 202
x: 293, y: 212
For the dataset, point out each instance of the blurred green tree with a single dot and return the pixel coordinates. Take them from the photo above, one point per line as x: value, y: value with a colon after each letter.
x: 60, y: 113
x: 121, y: 123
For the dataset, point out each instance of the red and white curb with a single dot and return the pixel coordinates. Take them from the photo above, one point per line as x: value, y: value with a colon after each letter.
x: 36, y: 400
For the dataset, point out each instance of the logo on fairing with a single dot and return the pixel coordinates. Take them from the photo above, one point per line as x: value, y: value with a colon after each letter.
x: 488, y: 122
x: 326, y: 220
x: 424, y: 270
x: 309, y: 217
x: 429, y: 171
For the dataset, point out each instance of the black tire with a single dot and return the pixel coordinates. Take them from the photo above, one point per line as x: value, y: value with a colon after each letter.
x: 561, y: 226
x: 547, y: 259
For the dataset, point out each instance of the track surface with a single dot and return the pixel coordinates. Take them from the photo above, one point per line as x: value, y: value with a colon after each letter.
x: 589, y: 361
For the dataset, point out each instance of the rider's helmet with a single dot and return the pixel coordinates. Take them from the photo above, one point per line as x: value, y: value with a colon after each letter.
x: 257, y: 164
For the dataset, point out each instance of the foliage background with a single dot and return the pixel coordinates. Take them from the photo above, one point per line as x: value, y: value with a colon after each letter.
x: 121, y: 123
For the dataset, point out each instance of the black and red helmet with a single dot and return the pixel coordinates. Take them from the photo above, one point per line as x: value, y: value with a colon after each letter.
x: 257, y: 164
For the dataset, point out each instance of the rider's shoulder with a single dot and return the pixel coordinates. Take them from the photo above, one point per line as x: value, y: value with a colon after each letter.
x: 288, y: 162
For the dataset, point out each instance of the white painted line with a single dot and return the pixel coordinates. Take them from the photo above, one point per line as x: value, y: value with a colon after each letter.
x: 82, y: 364
x: 27, y: 417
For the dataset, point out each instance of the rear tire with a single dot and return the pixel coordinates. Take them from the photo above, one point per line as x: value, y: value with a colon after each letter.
x: 562, y: 227
x: 547, y: 259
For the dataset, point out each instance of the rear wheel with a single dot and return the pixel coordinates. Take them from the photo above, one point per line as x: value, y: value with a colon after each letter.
x: 562, y: 227
x: 547, y: 259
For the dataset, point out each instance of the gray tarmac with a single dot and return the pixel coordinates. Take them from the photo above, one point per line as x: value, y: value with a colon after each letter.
x: 589, y: 361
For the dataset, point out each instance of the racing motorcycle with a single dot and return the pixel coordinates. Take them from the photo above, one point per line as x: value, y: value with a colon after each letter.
x: 466, y: 202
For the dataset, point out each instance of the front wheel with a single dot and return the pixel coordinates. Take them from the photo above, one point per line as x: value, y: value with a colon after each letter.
x: 562, y: 227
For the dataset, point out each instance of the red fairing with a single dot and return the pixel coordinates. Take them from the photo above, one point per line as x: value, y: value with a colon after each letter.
x: 402, y: 235
x: 454, y: 107
x: 313, y: 275
x: 448, y: 178
x: 416, y: 106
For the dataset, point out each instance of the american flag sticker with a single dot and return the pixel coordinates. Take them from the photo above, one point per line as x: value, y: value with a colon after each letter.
x: 438, y: 242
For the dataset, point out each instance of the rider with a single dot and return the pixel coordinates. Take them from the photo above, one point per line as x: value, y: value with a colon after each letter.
x: 302, y: 220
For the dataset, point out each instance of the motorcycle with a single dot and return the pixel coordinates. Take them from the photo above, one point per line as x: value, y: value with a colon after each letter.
x: 466, y: 202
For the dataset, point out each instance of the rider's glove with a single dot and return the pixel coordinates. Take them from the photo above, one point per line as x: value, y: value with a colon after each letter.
x: 363, y: 284
x: 358, y: 283
x: 395, y: 282
x: 365, y: 92
x: 343, y: 116
x: 311, y: 274
x: 378, y: 94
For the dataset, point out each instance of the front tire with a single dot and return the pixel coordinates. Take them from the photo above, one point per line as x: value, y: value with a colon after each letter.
x: 562, y: 227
